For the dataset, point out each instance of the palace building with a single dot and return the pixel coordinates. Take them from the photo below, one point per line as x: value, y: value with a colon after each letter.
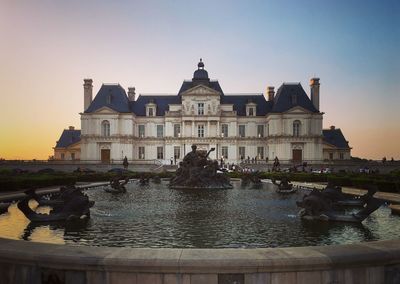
x: 286, y: 124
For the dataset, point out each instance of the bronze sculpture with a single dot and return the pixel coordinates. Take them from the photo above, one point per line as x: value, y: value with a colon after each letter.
x: 198, y: 171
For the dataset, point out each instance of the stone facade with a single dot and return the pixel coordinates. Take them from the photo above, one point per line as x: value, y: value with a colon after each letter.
x: 68, y: 147
x: 287, y: 125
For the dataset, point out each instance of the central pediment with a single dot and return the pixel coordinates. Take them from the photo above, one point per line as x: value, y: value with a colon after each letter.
x: 200, y: 90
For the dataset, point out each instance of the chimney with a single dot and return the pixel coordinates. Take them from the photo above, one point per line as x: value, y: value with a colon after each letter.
x: 87, y: 93
x: 314, y: 84
x: 131, y: 93
x: 271, y: 93
x: 71, y: 128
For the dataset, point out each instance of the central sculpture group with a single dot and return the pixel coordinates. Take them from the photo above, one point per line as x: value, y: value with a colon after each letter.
x: 198, y: 171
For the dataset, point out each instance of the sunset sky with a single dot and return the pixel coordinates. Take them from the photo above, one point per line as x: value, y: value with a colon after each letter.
x: 48, y: 47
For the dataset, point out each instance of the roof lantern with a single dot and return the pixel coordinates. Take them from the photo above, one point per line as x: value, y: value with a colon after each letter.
x: 200, y: 74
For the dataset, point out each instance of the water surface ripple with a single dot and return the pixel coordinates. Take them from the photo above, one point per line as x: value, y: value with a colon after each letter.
x: 156, y: 216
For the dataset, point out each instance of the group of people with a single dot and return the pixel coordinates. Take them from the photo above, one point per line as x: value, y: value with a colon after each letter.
x: 253, y: 160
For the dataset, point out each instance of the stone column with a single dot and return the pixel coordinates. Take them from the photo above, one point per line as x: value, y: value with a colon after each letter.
x: 192, y: 128
x: 208, y: 129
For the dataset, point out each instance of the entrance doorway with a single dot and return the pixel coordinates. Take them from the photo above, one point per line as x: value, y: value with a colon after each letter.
x: 297, y: 155
x: 105, y: 155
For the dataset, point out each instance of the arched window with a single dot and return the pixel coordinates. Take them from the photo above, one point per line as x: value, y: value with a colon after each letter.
x: 105, y: 128
x: 296, y: 128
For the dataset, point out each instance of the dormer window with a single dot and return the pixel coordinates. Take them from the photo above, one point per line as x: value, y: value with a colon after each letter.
x: 151, y: 109
x: 109, y: 99
x: 251, y: 109
x: 293, y: 99
x: 200, y: 108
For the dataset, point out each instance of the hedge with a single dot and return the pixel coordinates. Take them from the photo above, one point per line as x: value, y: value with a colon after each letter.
x: 9, y: 182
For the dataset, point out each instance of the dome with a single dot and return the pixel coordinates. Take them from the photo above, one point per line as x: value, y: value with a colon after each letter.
x: 200, y: 73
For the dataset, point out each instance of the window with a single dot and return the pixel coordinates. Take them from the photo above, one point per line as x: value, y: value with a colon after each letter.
x: 242, y: 130
x: 62, y: 156
x: 341, y: 156
x: 260, y: 153
x: 177, y: 130
x: 141, y: 130
x: 224, y: 151
x: 200, y: 131
x: 160, y: 131
x: 296, y: 128
x: 109, y: 99
x: 177, y: 152
x: 105, y: 128
x: 224, y: 130
x: 151, y: 111
x: 260, y: 130
x: 267, y: 129
x: 72, y: 156
x: 330, y: 156
x: 242, y: 153
x: 160, y: 152
x: 294, y: 99
x: 200, y: 108
x: 141, y: 153
x: 251, y: 111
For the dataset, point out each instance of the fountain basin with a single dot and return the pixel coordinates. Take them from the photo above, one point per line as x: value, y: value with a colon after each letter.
x: 369, y: 262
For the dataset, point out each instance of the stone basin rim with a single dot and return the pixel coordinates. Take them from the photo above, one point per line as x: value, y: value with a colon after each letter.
x: 187, y: 260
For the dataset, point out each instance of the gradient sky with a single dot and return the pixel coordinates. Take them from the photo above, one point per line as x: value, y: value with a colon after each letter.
x: 47, y: 47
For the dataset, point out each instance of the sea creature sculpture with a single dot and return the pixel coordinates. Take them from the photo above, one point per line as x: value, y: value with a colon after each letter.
x: 284, y: 186
x: 76, y: 206
x: 117, y: 186
x: 317, y: 206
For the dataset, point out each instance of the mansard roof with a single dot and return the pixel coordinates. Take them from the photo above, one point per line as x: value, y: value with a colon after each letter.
x: 112, y: 96
x: 138, y: 107
x: 186, y: 85
x: 287, y: 97
x: 68, y: 137
x: 335, y: 137
x: 239, y: 103
x: 290, y: 95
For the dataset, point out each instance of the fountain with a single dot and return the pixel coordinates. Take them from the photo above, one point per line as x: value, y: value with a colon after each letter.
x: 197, y: 171
x: 157, y: 234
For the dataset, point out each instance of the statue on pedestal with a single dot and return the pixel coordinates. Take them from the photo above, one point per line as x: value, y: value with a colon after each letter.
x: 198, y: 171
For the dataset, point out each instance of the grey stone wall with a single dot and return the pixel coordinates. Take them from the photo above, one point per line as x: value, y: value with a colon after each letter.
x: 28, y: 262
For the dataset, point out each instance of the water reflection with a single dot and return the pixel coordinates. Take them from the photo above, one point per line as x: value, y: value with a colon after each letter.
x: 156, y: 216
